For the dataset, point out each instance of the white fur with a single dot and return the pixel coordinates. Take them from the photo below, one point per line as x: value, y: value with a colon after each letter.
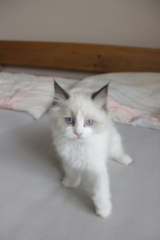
x: 88, y: 152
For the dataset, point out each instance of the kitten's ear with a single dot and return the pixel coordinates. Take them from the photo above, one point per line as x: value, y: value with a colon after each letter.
x: 100, y: 96
x: 60, y: 94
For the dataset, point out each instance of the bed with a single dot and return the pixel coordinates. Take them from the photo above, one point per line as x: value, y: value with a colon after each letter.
x: 33, y: 203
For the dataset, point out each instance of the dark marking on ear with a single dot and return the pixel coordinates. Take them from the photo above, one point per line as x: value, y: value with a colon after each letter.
x: 101, y: 93
x: 59, y: 93
x: 100, y: 97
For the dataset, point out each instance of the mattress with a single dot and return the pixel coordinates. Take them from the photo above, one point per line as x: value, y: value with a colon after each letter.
x: 34, y: 205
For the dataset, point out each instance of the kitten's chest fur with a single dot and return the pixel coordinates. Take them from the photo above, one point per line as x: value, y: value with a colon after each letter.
x: 84, y: 154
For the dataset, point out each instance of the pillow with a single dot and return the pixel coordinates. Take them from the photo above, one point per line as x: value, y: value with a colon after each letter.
x: 29, y: 93
x: 133, y: 98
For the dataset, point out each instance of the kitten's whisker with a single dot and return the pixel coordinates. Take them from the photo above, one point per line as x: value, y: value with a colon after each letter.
x: 50, y: 149
x: 46, y: 143
x: 57, y: 138
x: 55, y: 141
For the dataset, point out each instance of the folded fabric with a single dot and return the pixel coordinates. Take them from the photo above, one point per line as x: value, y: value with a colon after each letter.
x: 134, y: 98
x: 29, y: 93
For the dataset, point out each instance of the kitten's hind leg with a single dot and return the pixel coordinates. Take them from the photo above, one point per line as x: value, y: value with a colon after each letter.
x: 117, y: 152
x: 124, y: 159
x: 72, y: 177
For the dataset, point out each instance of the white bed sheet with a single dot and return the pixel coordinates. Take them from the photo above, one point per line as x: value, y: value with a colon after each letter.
x: 34, y: 205
x: 10, y: 120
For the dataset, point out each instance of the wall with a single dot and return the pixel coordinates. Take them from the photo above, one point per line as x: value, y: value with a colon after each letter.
x: 116, y: 22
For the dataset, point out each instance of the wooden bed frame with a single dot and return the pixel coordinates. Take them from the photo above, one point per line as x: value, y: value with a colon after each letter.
x: 75, y: 56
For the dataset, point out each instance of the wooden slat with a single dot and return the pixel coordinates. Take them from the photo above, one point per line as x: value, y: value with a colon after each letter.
x: 88, y: 57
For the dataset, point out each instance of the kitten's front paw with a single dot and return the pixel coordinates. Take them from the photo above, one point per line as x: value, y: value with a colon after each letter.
x: 105, y: 210
x: 69, y: 183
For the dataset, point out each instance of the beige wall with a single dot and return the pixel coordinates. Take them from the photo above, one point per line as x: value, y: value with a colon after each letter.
x: 117, y: 22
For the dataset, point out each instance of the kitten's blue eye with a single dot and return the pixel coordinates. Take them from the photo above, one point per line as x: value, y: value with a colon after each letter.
x: 69, y: 120
x: 89, y: 122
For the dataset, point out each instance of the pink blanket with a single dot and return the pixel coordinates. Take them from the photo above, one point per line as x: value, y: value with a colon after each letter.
x: 29, y: 93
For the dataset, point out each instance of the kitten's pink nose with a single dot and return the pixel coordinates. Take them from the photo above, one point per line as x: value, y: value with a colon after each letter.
x: 78, y: 134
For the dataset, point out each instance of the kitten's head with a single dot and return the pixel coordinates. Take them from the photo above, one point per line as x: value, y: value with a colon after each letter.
x: 79, y: 115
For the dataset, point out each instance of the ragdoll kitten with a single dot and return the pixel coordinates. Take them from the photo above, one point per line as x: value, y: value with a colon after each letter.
x: 85, y: 138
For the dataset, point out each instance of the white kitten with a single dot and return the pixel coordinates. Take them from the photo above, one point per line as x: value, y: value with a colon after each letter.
x: 85, y: 138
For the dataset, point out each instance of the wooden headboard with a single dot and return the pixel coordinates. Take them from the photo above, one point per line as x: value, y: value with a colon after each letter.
x: 87, y: 57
